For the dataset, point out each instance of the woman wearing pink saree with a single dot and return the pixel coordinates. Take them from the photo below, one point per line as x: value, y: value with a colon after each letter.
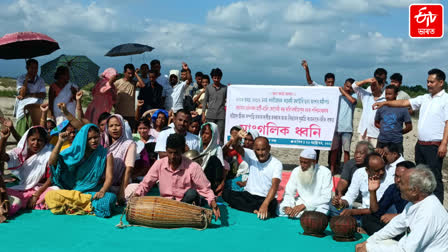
x: 104, y: 95
x: 124, y: 151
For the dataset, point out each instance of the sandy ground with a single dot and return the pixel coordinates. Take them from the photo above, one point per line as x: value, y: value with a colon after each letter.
x: 290, y: 157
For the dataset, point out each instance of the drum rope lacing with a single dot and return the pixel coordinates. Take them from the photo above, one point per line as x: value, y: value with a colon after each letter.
x: 126, y: 210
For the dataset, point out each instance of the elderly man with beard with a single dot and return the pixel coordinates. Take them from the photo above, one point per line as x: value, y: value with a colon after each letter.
x: 424, y: 220
x: 360, y: 184
x: 312, y: 182
x: 265, y: 173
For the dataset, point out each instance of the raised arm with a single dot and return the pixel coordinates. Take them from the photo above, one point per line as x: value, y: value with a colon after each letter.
x: 374, y: 184
x: 8, y: 123
x: 347, y: 95
x: 140, y: 82
x: 53, y: 161
x: 79, y: 111
x: 189, y: 78
x: 43, y: 115
x: 24, y: 88
x: 137, y: 110
x: 73, y: 121
x: 307, y: 72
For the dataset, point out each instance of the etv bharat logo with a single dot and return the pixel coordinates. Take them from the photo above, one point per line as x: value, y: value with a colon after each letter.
x: 426, y: 20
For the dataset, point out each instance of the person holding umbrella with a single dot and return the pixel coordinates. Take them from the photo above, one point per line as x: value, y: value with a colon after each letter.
x: 31, y: 90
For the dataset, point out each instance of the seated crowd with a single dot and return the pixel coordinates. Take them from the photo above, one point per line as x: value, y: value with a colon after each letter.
x: 171, y: 135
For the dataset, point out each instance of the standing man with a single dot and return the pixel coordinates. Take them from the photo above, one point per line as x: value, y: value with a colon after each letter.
x: 151, y: 94
x: 366, y: 128
x: 178, y: 94
x: 162, y: 80
x: 344, y: 128
x: 191, y: 90
x: 31, y: 89
x: 213, y: 105
x: 396, y: 79
x: 432, y: 141
x: 125, y: 105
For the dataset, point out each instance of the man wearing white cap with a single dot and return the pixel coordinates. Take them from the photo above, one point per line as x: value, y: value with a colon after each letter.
x: 312, y: 182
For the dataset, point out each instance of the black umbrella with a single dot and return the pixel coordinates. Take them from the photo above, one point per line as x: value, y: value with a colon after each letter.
x: 128, y: 49
x: 26, y: 45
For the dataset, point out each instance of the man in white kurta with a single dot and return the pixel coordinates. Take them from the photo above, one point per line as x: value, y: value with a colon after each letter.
x: 313, y: 184
x: 424, y: 220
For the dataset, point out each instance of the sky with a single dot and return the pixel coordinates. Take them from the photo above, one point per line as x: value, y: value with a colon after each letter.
x: 252, y: 42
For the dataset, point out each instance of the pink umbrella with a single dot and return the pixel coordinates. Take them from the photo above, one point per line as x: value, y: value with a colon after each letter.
x: 25, y: 45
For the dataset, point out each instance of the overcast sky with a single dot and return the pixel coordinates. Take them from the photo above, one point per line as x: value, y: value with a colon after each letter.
x: 254, y: 41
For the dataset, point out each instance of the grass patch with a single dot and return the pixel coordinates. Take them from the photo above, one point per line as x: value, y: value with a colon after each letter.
x: 8, y: 82
x: 8, y: 93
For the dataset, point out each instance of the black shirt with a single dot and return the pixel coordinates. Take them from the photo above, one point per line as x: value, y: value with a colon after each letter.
x: 152, y: 97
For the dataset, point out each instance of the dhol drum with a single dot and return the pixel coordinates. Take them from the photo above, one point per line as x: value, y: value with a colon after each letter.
x: 159, y: 212
x: 344, y: 228
x: 314, y: 223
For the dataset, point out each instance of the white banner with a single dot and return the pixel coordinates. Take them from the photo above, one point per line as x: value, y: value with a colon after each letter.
x: 289, y: 116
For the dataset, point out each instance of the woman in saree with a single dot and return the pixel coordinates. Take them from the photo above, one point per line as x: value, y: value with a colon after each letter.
x: 104, y: 95
x: 29, y: 162
x: 124, y: 151
x: 62, y: 91
x: 85, y: 167
x: 213, y: 164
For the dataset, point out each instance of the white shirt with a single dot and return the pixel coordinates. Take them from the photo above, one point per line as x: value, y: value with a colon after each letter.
x: 191, y: 140
x: 37, y: 86
x: 433, y: 115
x: 427, y: 222
x: 178, y: 96
x: 261, y: 175
x: 315, y: 197
x: 367, y: 122
x: 390, y: 169
x: 360, y: 184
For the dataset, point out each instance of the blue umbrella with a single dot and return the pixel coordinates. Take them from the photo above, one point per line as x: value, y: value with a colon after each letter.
x: 82, y: 69
x: 128, y: 49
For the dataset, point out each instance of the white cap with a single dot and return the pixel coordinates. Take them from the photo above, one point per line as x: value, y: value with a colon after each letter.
x: 175, y: 72
x: 308, y: 154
